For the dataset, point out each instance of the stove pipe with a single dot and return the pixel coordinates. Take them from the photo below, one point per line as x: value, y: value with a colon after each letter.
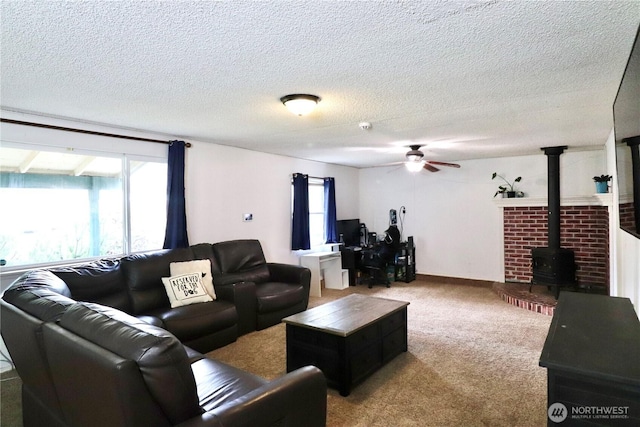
x: 553, y: 194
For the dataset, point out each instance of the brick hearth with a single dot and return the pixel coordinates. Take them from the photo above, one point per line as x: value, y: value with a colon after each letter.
x: 539, y: 299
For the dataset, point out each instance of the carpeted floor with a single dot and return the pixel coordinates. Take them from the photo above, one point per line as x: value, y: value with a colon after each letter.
x: 10, y: 405
x: 472, y: 361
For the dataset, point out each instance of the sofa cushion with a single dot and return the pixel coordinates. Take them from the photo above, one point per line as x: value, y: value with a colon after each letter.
x: 152, y: 320
x: 259, y: 274
x: 205, y: 251
x: 162, y: 359
x: 243, y: 260
x: 199, y: 265
x: 40, y: 293
x: 144, y: 273
x: 197, y: 320
x: 99, y: 281
x: 219, y: 383
x: 274, y: 296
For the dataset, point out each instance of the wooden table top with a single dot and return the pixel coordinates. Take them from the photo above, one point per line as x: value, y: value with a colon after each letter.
x: 347, y: 315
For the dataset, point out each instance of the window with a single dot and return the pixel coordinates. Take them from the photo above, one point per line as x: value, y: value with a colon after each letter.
x: 60, y: 205
x: 316, y: 212
x: 148, y: 204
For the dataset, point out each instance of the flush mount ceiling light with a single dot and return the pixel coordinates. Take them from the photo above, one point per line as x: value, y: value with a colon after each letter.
x: 300, y: 104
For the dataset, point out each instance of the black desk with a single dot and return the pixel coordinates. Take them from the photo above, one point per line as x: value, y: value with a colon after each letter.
x: 592, y: 356
x: 404, y: 267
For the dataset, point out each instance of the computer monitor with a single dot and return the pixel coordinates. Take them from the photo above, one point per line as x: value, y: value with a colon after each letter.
x: 350, y: 231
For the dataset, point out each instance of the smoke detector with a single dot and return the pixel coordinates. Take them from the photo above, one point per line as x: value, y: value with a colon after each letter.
x: 365, y: 125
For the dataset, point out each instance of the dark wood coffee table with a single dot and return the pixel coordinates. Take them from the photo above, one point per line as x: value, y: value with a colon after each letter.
x: 348, y: 339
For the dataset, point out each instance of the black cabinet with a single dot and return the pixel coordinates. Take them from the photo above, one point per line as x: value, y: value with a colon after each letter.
x: 592, y: 356
x: 405, y: 265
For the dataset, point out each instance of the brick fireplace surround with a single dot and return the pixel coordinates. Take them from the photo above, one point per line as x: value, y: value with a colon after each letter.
x: 584, y: 228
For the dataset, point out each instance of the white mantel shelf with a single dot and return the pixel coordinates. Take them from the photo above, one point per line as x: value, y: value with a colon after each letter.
x: 603, y: 199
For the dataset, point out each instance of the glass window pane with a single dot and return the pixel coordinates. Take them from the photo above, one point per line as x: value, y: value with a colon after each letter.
x: 148, y: 205
x: 316, y: 229
x: 316, y: 198
x: 59, y: 206
x: 316, y: 214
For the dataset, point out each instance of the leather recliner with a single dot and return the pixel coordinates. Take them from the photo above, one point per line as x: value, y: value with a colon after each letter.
x: 34, y: 306
x: 280, y: 290
x: 87, y: 364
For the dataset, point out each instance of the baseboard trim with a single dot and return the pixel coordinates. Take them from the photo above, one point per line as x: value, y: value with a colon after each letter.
x: 454, y: 280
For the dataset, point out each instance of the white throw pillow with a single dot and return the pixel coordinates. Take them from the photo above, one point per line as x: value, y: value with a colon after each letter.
x: 201, y: 265
x: 185, y: 289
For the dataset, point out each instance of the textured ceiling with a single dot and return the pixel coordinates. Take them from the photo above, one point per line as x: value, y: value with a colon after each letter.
x: 466, y: 79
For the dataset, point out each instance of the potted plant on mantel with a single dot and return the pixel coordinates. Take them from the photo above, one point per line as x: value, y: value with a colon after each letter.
x: 508, y: 189
x: 602, y: 183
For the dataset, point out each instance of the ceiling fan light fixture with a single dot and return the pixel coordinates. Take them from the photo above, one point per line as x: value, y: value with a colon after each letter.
x: 300, y: 104
x: 414, y: 166
x: 415, y: 155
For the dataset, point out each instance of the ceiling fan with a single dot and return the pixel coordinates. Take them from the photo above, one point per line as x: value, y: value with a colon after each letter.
x: 415, y: 161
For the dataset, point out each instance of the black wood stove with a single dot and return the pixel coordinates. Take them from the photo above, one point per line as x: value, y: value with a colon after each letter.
x: 553, y: 266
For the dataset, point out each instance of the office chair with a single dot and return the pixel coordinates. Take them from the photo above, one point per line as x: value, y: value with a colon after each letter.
x: 376, y: 260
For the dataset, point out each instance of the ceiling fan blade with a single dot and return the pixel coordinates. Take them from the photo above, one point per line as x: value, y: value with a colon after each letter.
x: 451, y: 165
x: 430, y: 168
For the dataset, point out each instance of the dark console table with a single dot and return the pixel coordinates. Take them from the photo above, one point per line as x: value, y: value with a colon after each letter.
x: 348, y: 339
x: 592, y: 356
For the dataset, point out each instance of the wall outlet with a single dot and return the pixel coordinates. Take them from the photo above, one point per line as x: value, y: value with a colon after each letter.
x: 247, y: 217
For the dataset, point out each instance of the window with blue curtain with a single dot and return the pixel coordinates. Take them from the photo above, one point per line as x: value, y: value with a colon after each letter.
x: 300, y: 239
x: 176, y: 232
x: 330, y: 233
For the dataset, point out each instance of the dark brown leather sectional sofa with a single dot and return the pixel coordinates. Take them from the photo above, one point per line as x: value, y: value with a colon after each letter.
x: 98, y: 343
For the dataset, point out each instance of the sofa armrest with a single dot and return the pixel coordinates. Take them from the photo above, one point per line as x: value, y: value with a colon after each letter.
x: 243, y: 296
x: 289, y: 273
x: 296, y: 399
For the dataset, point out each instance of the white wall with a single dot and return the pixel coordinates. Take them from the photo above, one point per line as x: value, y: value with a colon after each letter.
x: 451, y: 213
x: 223, y: 183
x: 14, y: 133
x: 625, y: 248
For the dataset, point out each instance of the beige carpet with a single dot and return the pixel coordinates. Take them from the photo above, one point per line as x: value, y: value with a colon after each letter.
x: 10, y: 400
x: 472, y: 361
